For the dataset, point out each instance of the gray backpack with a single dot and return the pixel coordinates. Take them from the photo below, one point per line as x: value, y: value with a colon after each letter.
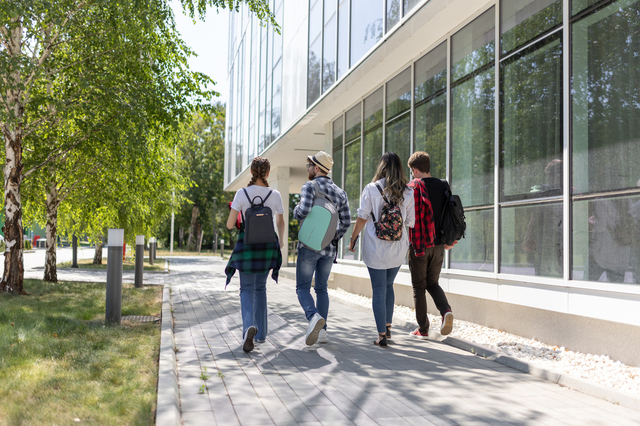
x: 318, y: 229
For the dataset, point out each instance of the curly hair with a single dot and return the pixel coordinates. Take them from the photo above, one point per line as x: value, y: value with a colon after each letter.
x: 259, y: 169
x: 390, y: 167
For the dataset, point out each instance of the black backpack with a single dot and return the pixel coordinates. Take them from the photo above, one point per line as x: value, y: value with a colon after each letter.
x: 258, y: 221
x: 452, y: 224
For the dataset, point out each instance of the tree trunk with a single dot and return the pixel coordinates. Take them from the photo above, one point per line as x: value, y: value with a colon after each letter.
x: 181, y: 238
x: 200, y: 238
x: 195, y: 212
x: 50, y: 268
x: 97, y: 257
x: 13, y: 276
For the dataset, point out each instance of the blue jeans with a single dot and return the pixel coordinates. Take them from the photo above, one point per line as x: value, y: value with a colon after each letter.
x: 383, y: 296
x: 253, y: 302
x: 309, y: 262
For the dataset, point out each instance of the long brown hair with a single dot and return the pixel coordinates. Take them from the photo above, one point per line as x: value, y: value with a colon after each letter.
x: 259, y: 169
x: 390, y: 167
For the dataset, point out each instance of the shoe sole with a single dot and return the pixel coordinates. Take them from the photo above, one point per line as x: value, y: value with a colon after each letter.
x: 312, y: 338
x: 248, y: 343
x: 447, y: 325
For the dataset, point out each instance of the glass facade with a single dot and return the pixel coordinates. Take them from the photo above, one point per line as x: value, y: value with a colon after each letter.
x: 544, y: 196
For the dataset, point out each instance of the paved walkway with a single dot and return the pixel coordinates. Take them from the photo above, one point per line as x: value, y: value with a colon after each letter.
x: 348, y: 380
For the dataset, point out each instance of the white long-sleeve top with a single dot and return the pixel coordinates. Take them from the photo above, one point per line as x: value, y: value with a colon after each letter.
x: 377, y: 253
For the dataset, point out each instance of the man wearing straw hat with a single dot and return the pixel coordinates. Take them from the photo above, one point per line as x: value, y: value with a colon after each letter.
x: 320, y: 263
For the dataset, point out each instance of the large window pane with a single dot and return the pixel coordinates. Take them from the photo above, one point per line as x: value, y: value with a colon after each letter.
x: 606, y: 99
x: 606, y: 240
x: 277, y: 100
x: 472, y: 139
x: 366, y: 26
x: 431, y: 73
x: 475, y: 251
x: 473, y: 46
x: 398, y: 139
x: 329, y: 46
x: 371, y: 154
x: 399, y: 94
x: 523, y: 20
x: 373, y: 110
x: 531, y: 240
x: 352, y: 188
x: 337, y: 133
x: 314, y: 79
x: 531, y: 105
x: 336, y: 171
x: 343, y: 38
x: 352, y: 126
x: 394, y: 13
x: 431, y: 133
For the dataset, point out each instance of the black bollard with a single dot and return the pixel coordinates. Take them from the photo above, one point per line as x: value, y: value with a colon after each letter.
x: 113, y: 312
x: 74, y: 243
x: 152, y: 250
x: 139, y: 260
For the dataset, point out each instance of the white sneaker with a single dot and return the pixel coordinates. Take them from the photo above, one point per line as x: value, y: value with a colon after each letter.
x: 447, y: 323
x: 322, y: 336
x: 247, y: 344
x: 315, y: 325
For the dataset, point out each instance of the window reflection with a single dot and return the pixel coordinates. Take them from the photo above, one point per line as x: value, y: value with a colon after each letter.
x: 531, y: 240
x: 372, y: 142
x: 475, y: 251
x: 352, y: 188
x: 473, y: 46
x: 343, y: 37
x: 336, y: 173
x: 532, y: 123
x: 329, y: 45
x: 523, y: 20
x: 314, y: 78
x: 606, y: 240
x: 606, y: 98
x: 394, y: 13
x: 366, y: 26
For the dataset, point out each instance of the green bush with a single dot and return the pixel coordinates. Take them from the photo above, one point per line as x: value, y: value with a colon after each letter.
x: 27, y: 245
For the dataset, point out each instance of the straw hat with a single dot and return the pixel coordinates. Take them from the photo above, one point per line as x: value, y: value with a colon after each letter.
x: 322, y: 160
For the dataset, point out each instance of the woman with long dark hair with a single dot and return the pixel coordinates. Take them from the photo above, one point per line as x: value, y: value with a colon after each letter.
x: 254, y: 261
x: 387, y: 208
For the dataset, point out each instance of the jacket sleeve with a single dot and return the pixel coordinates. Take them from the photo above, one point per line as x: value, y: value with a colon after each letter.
x: 307, y: 194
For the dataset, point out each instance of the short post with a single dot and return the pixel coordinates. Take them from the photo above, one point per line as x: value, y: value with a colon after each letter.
x: 74, y: 261
x: 114, y: 276
x: 152, y: 250
x: 221, y: 247
x: 139, y: 260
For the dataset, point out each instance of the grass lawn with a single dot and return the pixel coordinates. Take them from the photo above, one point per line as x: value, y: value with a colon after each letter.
x: 59, y: 362
x: 127, y: 265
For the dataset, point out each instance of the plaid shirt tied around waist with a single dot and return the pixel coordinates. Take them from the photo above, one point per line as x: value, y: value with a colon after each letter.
x: 254, y: 258
x: 339, y: 199
x: 423, y: 234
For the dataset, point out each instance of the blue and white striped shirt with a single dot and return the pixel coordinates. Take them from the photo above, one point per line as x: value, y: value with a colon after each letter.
x: 339, y: 199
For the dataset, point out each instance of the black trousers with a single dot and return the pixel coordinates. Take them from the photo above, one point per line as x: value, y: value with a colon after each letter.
x: 425, y: 273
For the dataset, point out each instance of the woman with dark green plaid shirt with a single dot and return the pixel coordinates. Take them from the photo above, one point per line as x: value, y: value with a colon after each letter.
x: 254, y: 261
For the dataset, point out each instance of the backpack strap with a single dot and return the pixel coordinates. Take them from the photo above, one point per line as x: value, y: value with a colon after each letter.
x: 447, y: 194
x: 382, y: 193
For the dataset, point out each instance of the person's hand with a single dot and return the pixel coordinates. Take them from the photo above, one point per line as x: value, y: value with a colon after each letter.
x: 352, y: 245
x: 449, y: 247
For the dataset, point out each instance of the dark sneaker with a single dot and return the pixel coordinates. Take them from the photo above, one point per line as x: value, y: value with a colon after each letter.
x: 315, y: 325
x: 417, y: 333
x: 247, y: 344
x: 447, y: 323
x: 382, y: 341
x: 388, y: 332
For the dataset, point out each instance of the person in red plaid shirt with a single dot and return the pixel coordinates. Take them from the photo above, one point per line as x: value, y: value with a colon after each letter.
x: 426, y: 252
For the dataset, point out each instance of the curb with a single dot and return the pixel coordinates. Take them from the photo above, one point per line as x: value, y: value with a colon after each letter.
x: 563, y: 379
x: 168, y: 402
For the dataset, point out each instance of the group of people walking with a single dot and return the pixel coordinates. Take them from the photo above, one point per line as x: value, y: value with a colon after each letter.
x: 398, y: 219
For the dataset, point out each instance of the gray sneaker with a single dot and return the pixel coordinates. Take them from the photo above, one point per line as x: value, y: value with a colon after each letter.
x: 315, y: 325
x: 322, y: 336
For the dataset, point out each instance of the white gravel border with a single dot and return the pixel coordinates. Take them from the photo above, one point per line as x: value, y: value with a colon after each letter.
x: 599, y: 369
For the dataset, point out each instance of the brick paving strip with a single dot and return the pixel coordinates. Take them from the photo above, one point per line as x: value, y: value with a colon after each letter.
x: 210, y: 380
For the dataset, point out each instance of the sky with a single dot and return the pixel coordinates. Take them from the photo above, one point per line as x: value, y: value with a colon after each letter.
x: 209, y: 39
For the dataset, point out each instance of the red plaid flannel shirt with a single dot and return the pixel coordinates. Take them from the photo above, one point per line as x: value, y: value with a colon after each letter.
x: 423, y: 234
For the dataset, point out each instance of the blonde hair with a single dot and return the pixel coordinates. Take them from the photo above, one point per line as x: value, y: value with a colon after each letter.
x: 259, y: 169
x: 390, y: 168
